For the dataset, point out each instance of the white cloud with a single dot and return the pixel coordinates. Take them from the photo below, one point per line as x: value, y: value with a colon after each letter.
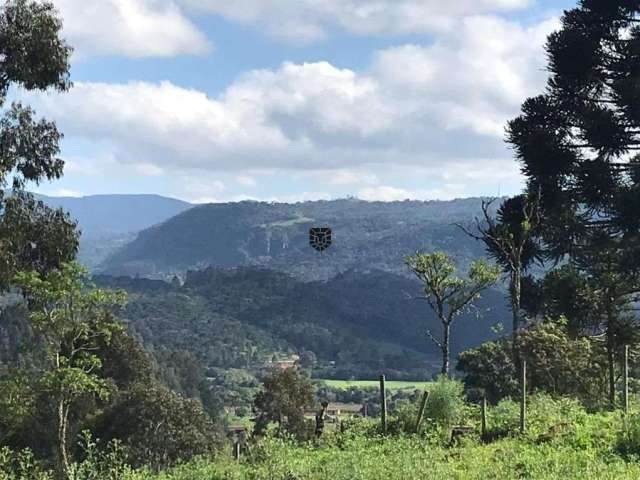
x: 441, y: 107
x: 133, y: 28
x: 474, y: 79
x: 384, y: 193
x: 246, y: 181
x: 309, y: 20
x: 60, y: 192
x: 149, y: 170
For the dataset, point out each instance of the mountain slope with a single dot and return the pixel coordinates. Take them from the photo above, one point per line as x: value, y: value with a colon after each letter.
x: 363, y: 321
x: 109, y: 222
x: 100, y: 214
x: 366, y: 235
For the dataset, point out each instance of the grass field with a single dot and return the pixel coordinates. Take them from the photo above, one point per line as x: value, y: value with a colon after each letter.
x: 562, y: 441
x: 391, y: 385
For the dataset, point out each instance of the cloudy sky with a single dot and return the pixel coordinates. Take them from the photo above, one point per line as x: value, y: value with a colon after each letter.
x: 220, y: 100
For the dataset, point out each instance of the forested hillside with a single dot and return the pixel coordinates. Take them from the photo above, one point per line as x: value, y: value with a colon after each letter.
x: 238, y: 318
x: 367, y: 235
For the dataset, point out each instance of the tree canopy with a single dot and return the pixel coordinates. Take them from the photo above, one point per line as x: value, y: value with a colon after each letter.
x: 34, y: 57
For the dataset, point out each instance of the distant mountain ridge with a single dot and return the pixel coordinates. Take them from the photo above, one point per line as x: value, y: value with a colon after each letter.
x: 114, y: 214
x: 367, y: 235
x: 108, y: 222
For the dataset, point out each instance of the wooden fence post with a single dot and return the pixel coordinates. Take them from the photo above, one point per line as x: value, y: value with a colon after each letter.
x: 423, y: 405
x: 625, y: 391
x: 483, y: 412
x: 383, y: 403
x: 523, y: 396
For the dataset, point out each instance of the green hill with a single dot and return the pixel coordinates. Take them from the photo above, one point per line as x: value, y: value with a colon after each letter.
x: 367, y: 235
x: 356, y: 324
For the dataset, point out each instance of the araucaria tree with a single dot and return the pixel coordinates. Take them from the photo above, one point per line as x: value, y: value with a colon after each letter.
x: 578, y: 146
x: 448, y: 295
x: 72, y: 323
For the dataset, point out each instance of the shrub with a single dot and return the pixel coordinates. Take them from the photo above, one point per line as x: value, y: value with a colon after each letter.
x: 403, y: 418
x: 157, y: 427
x: 282, y: 400
x: 503, y: 418
x: 446, y: 405
x: 629, y: 439
x: 550, y: 353
x: 21, y: 466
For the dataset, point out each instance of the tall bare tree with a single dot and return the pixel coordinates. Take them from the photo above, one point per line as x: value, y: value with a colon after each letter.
x: 449, y: 295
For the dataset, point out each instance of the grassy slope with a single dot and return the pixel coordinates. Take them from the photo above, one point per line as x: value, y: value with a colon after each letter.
x: 407, y: 459
x: 586, y: 447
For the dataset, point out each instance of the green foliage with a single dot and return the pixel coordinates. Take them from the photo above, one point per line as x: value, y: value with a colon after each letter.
x: 282, y: 400
x: 563, y: 292
x: 34, y: 237
x: 72, y: 324
x: 448, y: 295
x: 34, y: 57
x: 550, y: 353
x: 276, y: 236
x: 577, y: 146
x: 108, y: 463
x: 21, y: 466
x: 585, y: 449
x: 157, y: 427
x: 513, y: 239
x: 446, y: 405
x: 489, y: 370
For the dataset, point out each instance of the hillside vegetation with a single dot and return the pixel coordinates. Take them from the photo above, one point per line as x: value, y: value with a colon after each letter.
x: 367, y: 235
x: 357, y: 325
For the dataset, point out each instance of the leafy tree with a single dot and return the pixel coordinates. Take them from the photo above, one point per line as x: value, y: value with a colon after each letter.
x: 158, y: 427
x: 558, y: 364
x: 489, y: 370
x: 282, y: 400
x: 17, y: 404
x: 513, y: 240
x: 34, y: 57
x: 577, y: 145
x: 124, y: 360
x: 449, y: 295
x: 73, y: 323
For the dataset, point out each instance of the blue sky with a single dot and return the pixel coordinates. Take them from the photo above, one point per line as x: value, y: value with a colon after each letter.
x: 289, y: 100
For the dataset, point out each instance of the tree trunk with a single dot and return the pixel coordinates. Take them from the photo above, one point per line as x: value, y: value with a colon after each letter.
x: 63, y: 417
x: 446, y: 331
x: 515, y: 290
x: 611, y: 351
x: 611, y: 368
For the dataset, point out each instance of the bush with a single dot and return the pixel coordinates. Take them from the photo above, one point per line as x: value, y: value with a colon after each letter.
x: 21, y: 466
x: 503, y: 419
x: 157, y: 427
x: 282, y: 400
x: 403, y: 418
x: 550, y: 353
x: 107, y: 464
x: 629, y: 439
x: 446, y: 405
